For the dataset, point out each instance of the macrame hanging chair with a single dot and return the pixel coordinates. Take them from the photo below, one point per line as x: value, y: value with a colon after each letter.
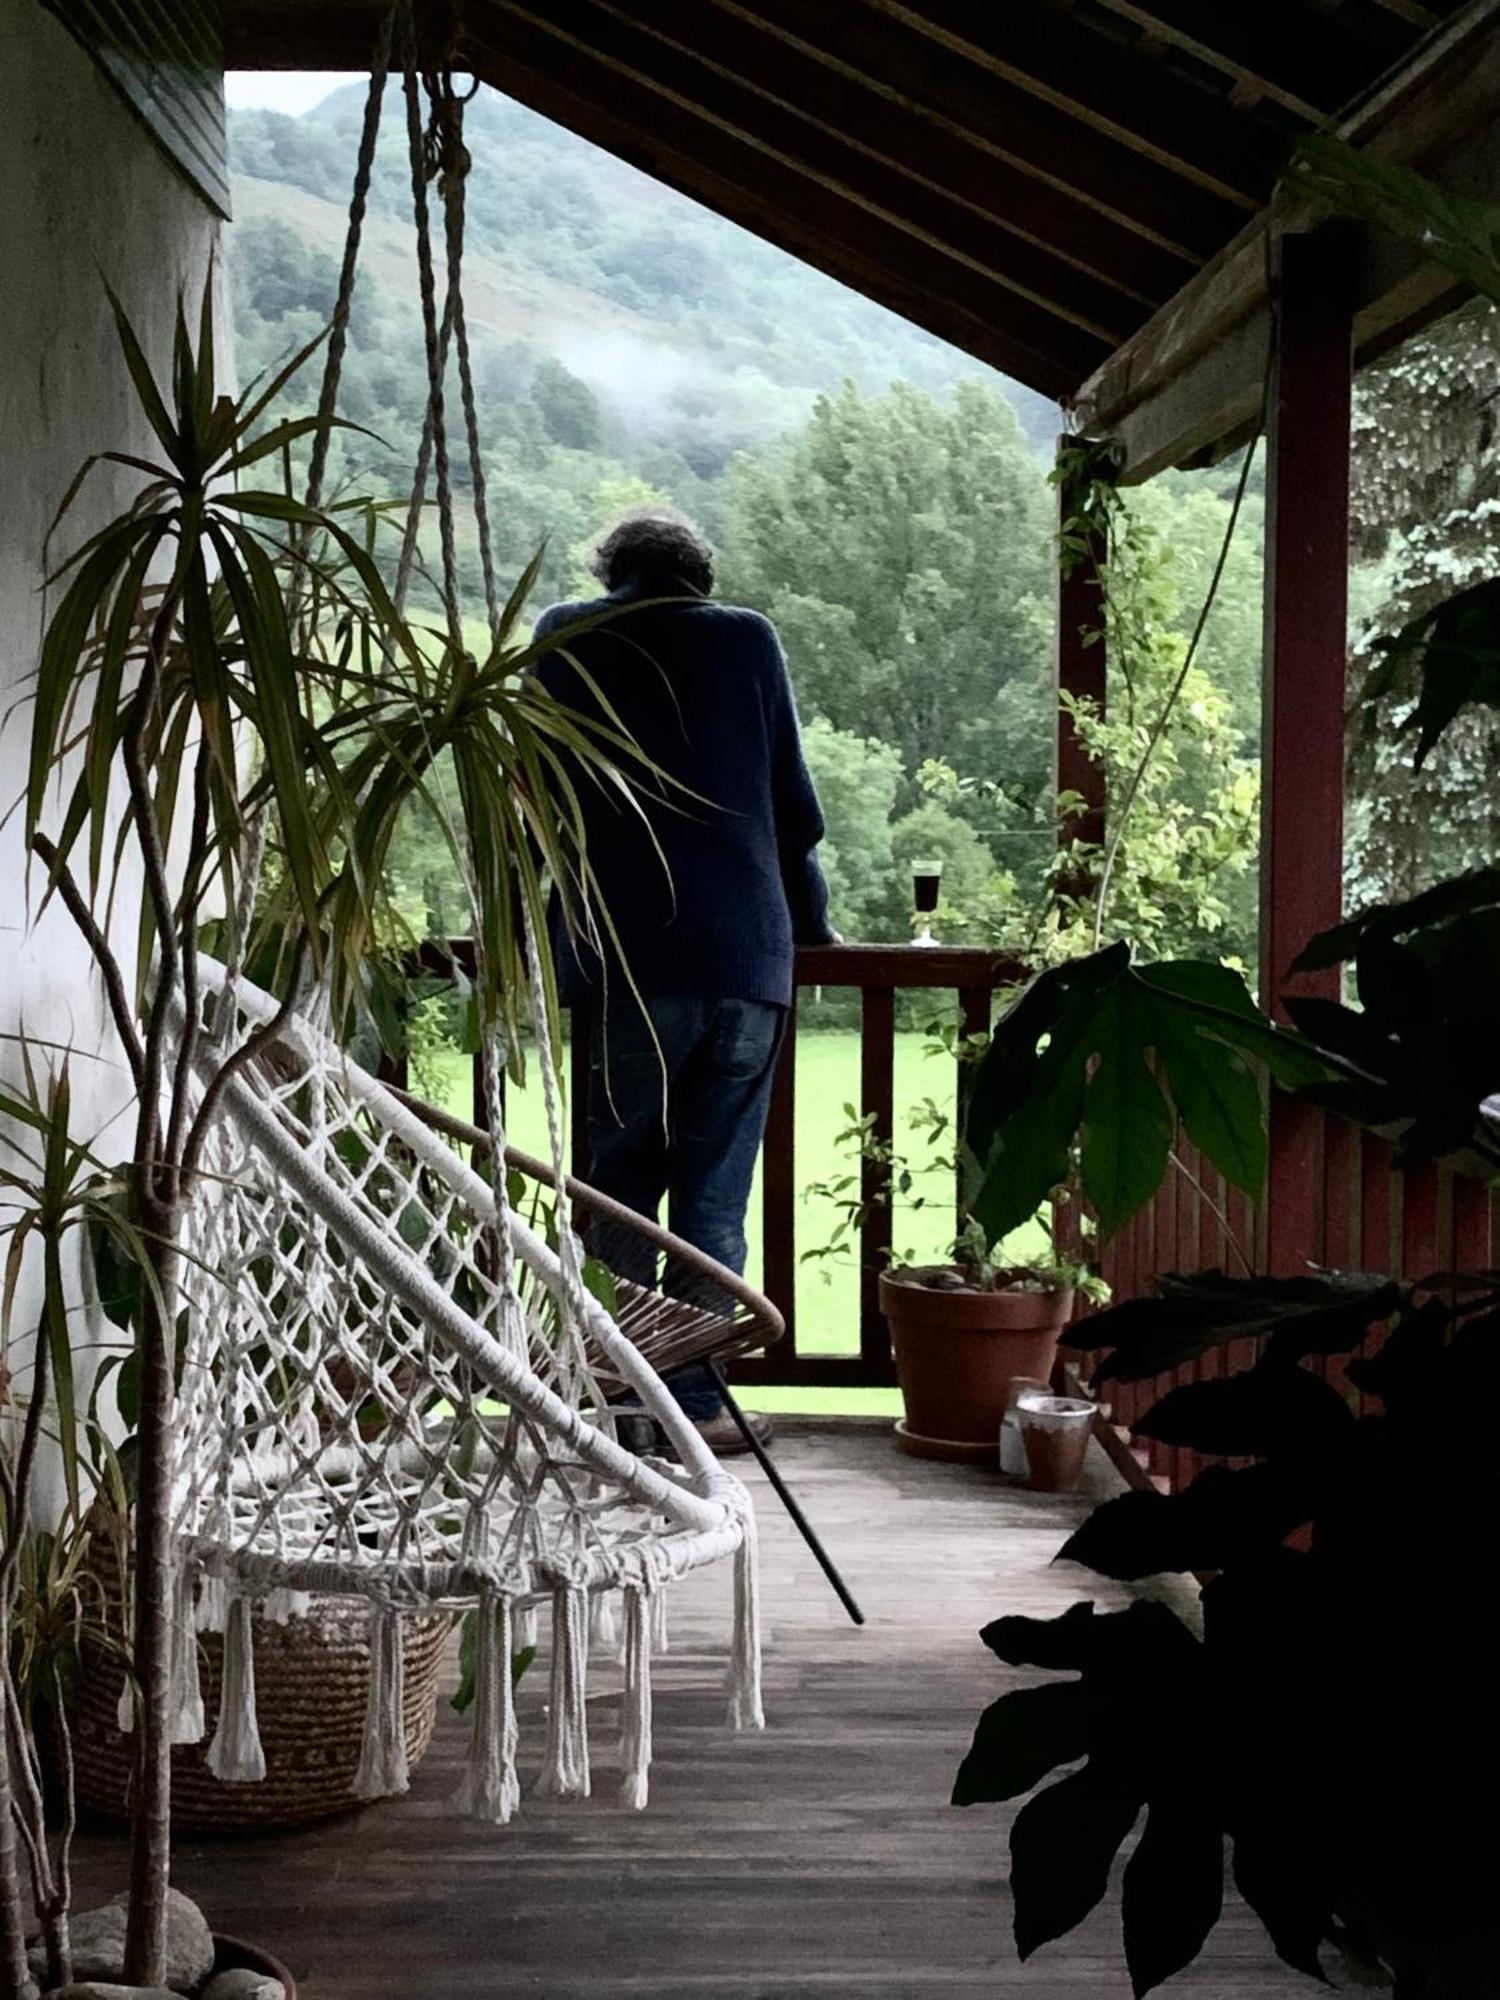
x: 394, y: 1387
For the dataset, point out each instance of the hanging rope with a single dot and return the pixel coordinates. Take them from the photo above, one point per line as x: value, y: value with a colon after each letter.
x: 362, y: 1306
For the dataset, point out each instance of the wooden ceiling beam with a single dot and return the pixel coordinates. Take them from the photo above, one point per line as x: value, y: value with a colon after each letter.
x: 902, y: 143
x: 604, y: 106
x: 866, y: 52
x: 1299, y: 56
x: 644, y: 45
x: 1113, y: 89
x: 1188, y: 385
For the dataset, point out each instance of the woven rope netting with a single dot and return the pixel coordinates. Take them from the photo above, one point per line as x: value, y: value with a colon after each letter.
x: 394, y: 1387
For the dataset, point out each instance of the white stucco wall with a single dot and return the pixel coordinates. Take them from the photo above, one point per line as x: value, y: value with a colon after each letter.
x: 85, y: 196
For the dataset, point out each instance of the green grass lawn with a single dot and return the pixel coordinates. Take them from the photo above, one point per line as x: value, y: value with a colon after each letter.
x: 827, y: 1288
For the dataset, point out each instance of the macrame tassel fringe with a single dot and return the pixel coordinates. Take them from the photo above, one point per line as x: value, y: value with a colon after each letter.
x: 383, y: 1768
x: 187, y: 1720
x: 603, y: 1638
x: 212, y: 1614
x: 282, y: 1606
x: 745, y: 1711
x: 565, y: 1772
x: 490, y: 1789
x: 235, y: 1755
x: 635, y: 1721
x: 659, y: 1641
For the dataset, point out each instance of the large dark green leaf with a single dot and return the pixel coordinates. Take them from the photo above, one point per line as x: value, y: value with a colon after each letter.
x: 1218, y: 1099
x: 1455, y: 651
x: 1453, y: 230
x: 1173, y: 1890
x: 1322, y: 1313
x: 1262, y: 1411
x: 1479, y: 889
x: 1061, y: 1849
x: 1222, y: 1517
x: 1020, y: 1739
x: 1127, y: 1125
x: 1004, y: 1077
x: 1269, y: 1873
x: 1066, y: 1643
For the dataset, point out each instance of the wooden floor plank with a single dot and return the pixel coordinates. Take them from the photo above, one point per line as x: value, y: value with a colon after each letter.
x: 819, y: 1861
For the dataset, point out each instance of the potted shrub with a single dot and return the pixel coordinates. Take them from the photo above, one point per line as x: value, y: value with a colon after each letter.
x: 961, y: 1332
x: 1077, y: 1094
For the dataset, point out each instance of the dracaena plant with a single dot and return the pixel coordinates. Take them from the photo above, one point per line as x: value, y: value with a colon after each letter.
x: 226, y: 671
x: 52, y: 1188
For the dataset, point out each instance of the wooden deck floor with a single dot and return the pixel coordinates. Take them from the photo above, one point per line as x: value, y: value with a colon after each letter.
x: 820, y: 1859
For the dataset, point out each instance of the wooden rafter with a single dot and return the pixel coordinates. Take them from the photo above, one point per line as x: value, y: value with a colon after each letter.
x: 754, y: 191
x: 1110, y: 88
x: 1299, y: 56
x: 1069, y: 189
x: 648, y: 46
x: 606, y: 65
x: 871, y: 54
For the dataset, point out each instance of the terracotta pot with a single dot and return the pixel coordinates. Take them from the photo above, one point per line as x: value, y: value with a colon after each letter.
x: 956, y: 1352
x: 231, y: 1955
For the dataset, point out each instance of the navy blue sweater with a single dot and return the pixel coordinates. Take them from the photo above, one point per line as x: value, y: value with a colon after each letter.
x: 703, y: 689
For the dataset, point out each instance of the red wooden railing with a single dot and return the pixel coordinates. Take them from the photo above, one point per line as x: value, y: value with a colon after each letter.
x: 1336, y: 1199
x: 877, y: 973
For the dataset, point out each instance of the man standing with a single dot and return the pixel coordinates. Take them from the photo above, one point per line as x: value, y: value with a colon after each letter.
x: 705, y: 889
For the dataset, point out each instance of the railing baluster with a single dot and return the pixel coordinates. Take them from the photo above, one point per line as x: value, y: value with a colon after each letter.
x: 877, y: 1094
x: 1419, y: 1221
x: 778, y: 1194
x: 1472, y: 1224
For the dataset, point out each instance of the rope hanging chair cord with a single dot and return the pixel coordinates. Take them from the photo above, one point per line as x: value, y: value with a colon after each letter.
x: 392, y: 1387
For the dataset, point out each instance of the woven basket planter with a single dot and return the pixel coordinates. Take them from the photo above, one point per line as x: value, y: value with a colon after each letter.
x: 311, y: 1684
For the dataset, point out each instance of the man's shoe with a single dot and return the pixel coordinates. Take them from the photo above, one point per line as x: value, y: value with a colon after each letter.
x: 723, y: 1436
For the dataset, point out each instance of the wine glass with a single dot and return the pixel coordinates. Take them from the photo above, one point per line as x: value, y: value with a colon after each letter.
x: 926, y: 883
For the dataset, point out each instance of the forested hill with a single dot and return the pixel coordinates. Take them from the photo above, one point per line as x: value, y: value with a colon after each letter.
x: 692, y: 339
x: 878, y: 494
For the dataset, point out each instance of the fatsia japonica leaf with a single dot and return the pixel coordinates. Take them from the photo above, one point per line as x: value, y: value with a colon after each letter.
x: 1220, y: 1518
x: 1173, y: 1891
x: 1061, y: 1848
x: 1455, y: 651
x: 1259, y: 1413
x: 1478, y: 889
x: 1291, y: 1904
x: 1068, y: 1643
x: 1325, y: 1312
x: 1127, y: 1123
x: 1020, y: 1739
x: 1107, y: 1056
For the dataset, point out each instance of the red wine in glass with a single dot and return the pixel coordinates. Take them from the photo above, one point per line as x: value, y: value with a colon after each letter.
x: 926, y: 886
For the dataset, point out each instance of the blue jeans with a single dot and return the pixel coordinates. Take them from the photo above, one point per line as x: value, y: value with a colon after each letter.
x: 681, y: 1117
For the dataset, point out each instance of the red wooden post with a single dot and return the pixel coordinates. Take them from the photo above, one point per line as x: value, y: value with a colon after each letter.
x: 779, y: 1192
x: 1472, y: 1214
x: 877, y: 1101
x: 1306, y: 614
x: 1081, y: 659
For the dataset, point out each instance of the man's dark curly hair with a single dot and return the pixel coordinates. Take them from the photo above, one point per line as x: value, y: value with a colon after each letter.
x: 658, y: 545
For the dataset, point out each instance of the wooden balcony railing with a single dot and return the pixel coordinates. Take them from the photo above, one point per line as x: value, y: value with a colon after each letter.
x: 1336, y: 1199
x: 877, y: 973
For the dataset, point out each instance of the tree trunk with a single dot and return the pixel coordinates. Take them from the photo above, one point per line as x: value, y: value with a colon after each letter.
x: 151, y: 1850
x: 13, y: 1970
